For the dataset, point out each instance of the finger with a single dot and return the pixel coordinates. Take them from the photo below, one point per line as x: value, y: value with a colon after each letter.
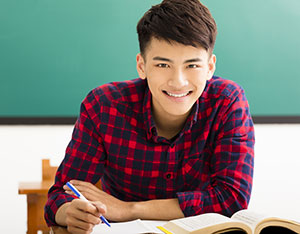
x: 84, y: 190
x: 70, y: 192
x: 88, y: 196
x: 87, y: 207
x: 75, y: 223
x: 93, y: 195
x: 84, y: 185
x: 78, y: 182
x: 84, y: 211
x: 72, y: 229
x: 81, y: 186
x: 66, y: 188
x: 79, y: 230
x: 88, y: 220
x: 87, y: 191
x: 100, y: 207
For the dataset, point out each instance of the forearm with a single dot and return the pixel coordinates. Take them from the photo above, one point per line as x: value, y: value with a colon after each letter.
x: 56, y: 199
x: 164, y: 209
x: 60, y: 217
x: 219, y: 197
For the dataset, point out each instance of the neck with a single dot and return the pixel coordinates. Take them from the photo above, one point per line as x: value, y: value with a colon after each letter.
x: 169, y: 126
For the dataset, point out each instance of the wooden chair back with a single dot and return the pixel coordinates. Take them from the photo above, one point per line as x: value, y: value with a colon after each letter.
x: 48, y: 171
x: 36, y: 193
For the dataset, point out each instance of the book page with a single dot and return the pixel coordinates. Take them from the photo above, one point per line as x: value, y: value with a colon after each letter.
x: 201, y: 221
x: 259, y: 221
x: 132, y: 227
x: 249, y: 217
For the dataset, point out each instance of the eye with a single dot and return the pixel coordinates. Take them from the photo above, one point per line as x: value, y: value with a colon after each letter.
x: 193, y: 66
x: 162, y: 65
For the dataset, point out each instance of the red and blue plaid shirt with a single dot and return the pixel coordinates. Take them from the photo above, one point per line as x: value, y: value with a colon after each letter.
x: 208, y: 166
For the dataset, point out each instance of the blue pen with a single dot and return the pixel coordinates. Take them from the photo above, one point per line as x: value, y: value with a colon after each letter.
x: 80, y: 196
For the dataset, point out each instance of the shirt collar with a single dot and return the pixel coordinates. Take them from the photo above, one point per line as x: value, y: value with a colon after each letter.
x: 149, y: 121
x: 192, y: 118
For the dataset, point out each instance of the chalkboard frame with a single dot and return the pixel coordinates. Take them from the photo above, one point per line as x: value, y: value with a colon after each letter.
x: 72, y: 120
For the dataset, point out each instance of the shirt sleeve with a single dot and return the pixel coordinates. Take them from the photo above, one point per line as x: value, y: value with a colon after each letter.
x: 231, y: 164
x: 84, y: 160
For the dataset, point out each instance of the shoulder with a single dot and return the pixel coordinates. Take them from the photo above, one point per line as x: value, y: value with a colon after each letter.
x: 129, y: 91
x: 224, y: 103
x: 115, y: 99
x: 221, y: 88
x: 221, y: 95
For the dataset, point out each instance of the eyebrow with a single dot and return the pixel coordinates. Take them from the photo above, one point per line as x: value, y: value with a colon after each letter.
x: 171, y: 61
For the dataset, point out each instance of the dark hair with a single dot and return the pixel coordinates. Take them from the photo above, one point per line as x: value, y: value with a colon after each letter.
x: 188, y: 22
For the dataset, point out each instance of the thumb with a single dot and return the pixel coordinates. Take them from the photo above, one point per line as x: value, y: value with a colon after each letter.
x: 100, y: 207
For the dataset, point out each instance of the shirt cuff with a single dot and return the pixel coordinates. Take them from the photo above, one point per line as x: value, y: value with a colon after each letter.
x: 50, y: 211
x: 190, y: 203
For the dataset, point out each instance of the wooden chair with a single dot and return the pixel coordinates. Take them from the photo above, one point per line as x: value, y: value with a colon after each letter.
x: 36, y: 193
x: 37, y: 197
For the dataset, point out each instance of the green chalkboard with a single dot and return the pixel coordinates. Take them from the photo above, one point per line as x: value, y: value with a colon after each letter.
x: 53, y: 52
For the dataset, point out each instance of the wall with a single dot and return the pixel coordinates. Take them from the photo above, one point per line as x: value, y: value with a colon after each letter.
x: 276, y: 179
x: 54, y: 52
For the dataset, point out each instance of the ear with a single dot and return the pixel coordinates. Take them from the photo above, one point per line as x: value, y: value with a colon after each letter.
x: 140, y: 66
x: 211, y: 66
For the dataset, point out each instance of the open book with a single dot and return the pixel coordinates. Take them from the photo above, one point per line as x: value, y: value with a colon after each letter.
x: 243, y: 221
x: 131, y: 227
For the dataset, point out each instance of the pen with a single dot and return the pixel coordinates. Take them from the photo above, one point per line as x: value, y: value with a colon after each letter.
x: 80, y: 196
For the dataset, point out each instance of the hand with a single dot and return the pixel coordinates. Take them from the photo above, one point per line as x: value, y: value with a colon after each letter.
x: 80, y: 216
x: 117, y: 210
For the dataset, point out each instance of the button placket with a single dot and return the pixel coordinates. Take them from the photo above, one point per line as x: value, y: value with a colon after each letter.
x: 169, y: 174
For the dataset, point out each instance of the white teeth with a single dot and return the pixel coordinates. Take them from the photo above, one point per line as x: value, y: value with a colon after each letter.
x: 177, y: 95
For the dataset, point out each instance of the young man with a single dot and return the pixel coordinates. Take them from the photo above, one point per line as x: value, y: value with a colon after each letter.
x: 175, y: 142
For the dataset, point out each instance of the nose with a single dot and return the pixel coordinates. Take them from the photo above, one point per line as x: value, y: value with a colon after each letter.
x: 178, y: 80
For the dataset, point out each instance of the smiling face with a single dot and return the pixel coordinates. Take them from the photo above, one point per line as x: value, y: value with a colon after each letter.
x: 176, y: 76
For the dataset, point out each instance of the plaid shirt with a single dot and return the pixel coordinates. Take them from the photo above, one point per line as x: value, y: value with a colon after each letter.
x: 208, y: 166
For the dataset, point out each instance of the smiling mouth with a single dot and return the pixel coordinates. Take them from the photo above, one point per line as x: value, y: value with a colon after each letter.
x: 178, y: 95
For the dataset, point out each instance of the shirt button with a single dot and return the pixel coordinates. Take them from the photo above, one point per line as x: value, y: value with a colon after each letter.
x: 169, y: 175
